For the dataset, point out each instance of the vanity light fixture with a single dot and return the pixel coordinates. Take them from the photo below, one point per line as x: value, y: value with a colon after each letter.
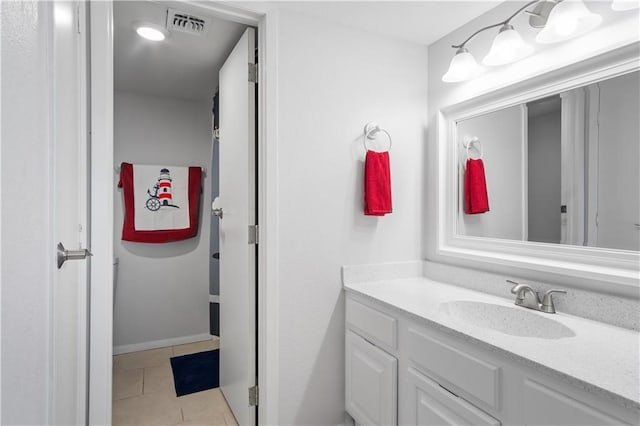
x: 150, y: 31
x: 507, y: 47
x: 568, y: 19
x: 463, y: 67
x: 560, y: 20
x: 619, y: 5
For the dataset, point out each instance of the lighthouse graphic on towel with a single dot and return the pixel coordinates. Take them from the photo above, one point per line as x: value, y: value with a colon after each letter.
x: 161, y: 195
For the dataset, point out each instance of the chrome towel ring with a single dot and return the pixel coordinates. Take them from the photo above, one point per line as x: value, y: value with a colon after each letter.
x: 371, y: 131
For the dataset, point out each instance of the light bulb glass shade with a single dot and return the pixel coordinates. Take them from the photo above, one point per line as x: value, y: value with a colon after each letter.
x: 507, y: 47
x: 150, y: 31
x: 568, y: 19
x: 463, y: 67
x: 619, y: 5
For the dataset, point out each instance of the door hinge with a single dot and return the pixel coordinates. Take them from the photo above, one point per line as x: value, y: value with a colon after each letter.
x: 253, y: 396
x: 254, y: 234
x: 253, y: 73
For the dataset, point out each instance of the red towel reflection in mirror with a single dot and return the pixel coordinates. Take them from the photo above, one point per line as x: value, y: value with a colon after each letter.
x: 476, y: 199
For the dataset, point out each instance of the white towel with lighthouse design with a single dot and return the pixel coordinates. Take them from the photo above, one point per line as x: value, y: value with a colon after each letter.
x: 161, y: 197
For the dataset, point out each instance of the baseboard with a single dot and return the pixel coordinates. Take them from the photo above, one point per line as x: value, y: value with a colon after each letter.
x: 155, y: 344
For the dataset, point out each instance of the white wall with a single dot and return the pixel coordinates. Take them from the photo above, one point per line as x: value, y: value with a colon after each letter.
x: 618, y: 29
x: 544, y: 170
x: 332, y: 81
x: 163, y: 289
x: 501, y: 136
x: 27, y: 208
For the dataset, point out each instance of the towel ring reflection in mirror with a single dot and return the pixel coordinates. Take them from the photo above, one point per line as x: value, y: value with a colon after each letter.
x: 467, y: 141
x: 371, y: 131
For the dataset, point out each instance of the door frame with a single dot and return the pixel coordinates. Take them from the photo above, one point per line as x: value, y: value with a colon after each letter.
x: 103, y: 183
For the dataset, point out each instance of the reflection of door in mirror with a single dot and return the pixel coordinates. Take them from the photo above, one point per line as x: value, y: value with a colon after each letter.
x: 618, y: 194
x: 562, y: 169
x: 544, y: 170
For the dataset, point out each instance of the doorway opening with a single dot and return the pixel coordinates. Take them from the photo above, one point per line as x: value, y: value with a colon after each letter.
x: 168, y: 283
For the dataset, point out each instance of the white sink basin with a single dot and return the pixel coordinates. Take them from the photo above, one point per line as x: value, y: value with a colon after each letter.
x: 515, y: 321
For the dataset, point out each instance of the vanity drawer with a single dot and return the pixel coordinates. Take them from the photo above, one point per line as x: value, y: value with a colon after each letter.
x: 563, y: 406
x: 466, y: 372
x: 432, y: 405
x: 372, y: 324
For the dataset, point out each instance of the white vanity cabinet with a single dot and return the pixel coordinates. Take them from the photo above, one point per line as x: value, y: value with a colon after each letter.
x: 549, y: 404
x: 371, y: 380
x: 445, y: 385
x: 401, y: 370
x: 371, y: 373
x: 430, y: 404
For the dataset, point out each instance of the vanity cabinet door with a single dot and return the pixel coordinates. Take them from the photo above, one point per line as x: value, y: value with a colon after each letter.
x: 431, y: 405
x: 371, y: 382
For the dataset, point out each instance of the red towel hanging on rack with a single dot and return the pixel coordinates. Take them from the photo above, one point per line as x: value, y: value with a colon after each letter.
x: 377, y: 184
x: 476, y: 199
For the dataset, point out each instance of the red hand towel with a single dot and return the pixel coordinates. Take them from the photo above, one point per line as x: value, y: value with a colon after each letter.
x: 377, y: 184
x: 476, y: 199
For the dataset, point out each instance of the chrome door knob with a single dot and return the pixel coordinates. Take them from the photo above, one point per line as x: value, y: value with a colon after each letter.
x: 63, y: 254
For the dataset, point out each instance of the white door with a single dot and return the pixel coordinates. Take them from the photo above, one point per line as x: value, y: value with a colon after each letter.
x: 70, y: 201
x: 237, y: 255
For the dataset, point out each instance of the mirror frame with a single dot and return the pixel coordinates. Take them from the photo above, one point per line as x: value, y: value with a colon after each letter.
x: 620, y: 269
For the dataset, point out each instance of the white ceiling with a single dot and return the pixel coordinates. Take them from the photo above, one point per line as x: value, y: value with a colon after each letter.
x: 186, y: 66
x: 421, y: 22
x: 182, y: 66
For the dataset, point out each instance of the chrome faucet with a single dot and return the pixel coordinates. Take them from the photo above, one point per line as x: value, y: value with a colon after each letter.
x: 529, y: 298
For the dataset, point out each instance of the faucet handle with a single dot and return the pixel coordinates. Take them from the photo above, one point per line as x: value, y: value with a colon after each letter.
x: 515, y: 289
x: 518, y: 289
x: 547, y: 301
x: 516, y: 286
x: 512, y: 282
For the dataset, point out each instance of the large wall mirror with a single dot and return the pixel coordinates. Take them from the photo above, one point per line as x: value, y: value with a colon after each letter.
x: 561, y: 156
x: 563, y: 169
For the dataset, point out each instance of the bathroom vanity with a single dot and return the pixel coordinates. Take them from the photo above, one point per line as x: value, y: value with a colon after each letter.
x: 422, y: 352
x: 555, y: 134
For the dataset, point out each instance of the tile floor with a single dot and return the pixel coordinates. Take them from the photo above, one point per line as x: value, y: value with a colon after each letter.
x: 144, y: 394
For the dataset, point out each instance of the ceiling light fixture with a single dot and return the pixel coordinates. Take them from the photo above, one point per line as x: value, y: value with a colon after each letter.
x: 560, y: 20
x: 150, y: 31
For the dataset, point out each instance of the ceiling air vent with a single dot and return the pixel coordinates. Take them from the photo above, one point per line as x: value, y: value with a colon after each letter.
x: 186, y: 23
